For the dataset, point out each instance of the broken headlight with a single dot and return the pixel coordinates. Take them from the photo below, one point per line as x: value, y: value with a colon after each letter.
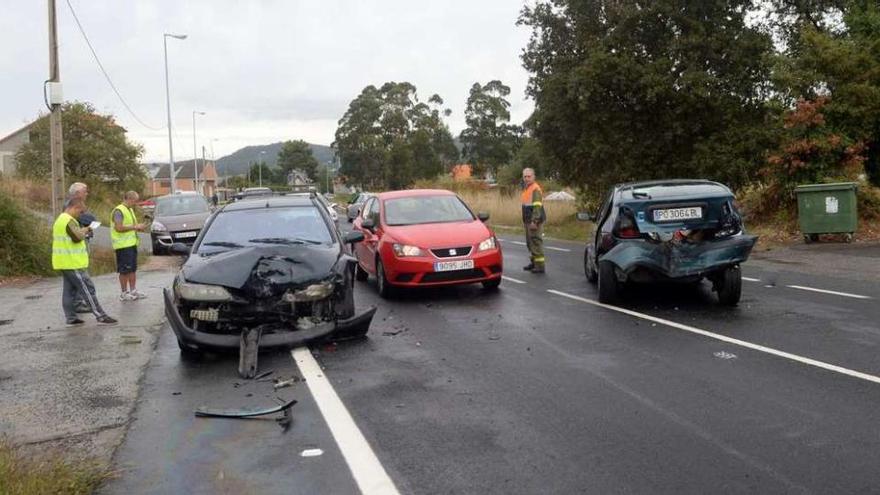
x: 202, y: 292
x: 314, y: 292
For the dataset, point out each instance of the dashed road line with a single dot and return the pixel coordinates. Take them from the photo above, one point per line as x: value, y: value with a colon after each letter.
x: 750, y: 279
x: 724, y: 338
x: 521, y: 243
x: 511, y: 279
x: 368, y: 472
x: 557, y: 249
x: 824, y: 291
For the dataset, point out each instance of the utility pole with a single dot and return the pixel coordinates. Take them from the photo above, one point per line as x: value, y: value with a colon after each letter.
x: 204, y: 165
x: 56, y: 143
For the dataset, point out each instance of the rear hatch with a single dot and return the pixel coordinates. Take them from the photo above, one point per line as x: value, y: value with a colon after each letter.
x: 701, y: 208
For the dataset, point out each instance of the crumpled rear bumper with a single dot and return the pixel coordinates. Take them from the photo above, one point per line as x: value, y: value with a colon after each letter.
x: 338, y: 329
x: 679, y: 260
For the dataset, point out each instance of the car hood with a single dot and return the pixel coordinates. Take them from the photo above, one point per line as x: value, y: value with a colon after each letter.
x: 448, y: 234
x: 176, y: 222
x: 263, y: 271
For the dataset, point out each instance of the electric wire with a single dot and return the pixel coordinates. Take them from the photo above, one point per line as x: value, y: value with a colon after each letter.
x: 106, y: 75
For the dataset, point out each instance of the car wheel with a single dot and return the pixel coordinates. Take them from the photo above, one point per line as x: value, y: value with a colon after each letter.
x: 609, y: 287
x: 492, y: 284
x: 188, y: 352
x: 360, y: 274
x: 158, y: 250
x: 385, y: 289
x: 729, y: 286
x: 590, y: 268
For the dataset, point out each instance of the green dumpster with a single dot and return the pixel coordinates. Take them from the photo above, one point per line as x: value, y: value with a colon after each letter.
x: 827, y: 209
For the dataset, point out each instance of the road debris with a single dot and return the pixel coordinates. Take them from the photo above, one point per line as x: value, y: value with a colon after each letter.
x: 5, y: 322
x: 392, y: 333
x: 494, y: 337
x: 207, y: 412
x: 264, y: 374
x: 249, y: 348
x: 283, y: 383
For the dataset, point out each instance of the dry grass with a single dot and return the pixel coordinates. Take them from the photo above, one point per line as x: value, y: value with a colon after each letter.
x: 50, y: 473
x: 505, y: 214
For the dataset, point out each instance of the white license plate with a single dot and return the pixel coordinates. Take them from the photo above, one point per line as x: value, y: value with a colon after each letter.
x: 677, y: 214
x: 184, y: 235
x: 448, y: 266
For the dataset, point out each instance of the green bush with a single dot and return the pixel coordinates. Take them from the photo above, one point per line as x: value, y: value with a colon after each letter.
x: 25, y: 247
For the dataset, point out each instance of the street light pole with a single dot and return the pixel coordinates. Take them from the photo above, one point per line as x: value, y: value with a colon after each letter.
x: 195, y: 158
x: 261, y: 167
x: 171, y: 174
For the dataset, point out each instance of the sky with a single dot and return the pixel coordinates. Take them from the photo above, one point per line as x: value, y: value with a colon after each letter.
x: 263, y: 71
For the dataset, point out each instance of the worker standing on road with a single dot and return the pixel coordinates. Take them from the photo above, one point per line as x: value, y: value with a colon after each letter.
x: 124, y: 236
x: 70, y: 256
x: 532, y: 199
x: 81, y: 191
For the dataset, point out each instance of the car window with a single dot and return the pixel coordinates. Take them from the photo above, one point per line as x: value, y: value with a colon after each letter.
x: 374, y: 211
x: 366, y: 208
x: 416, y: 210
x: 288, y: 225
x: 184, y: 204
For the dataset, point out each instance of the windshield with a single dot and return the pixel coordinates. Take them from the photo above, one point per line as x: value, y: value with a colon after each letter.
x: 184, y: 204
x: 266, y: 226
x: 426, y: 209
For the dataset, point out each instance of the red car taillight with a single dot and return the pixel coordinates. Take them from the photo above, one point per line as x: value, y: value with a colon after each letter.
x: 626, y: 225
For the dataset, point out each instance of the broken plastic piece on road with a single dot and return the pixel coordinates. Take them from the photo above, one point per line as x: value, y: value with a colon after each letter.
x: 284, y: 383
x: 207, y: 412
x: 264, y: 374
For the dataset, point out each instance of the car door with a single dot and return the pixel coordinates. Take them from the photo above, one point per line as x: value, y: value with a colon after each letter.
x: 373, y: 236
x: 360, y: 249
x: 603, y: 224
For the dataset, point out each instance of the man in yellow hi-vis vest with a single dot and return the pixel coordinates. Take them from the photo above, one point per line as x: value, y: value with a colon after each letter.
x: 124, y: 236
x: 532, y: 199
x: 70, y: 256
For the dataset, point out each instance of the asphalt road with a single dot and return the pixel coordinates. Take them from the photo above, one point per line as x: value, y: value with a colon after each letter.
x: 525, y: 390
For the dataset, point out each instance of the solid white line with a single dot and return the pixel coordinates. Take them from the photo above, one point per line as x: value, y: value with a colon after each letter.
x: 750, y: 279
x: 557, y: 249
x: 368, y: 472
x: 823, y: 291
x: 729, y: 340
x: 518, y: 242
x: 511, y: 279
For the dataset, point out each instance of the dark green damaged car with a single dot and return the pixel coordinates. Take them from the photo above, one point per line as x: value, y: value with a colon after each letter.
x: 671, y: 231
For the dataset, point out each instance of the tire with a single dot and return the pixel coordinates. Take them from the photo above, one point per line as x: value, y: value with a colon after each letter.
x: 492, y: 284
x: 385, y: 288
x: 157, y: 249
x: 589, y: 268
x: 729, y: 286
x: 848, y: 238
x: 609, y: 287
x: 188, y: 352
x: 360, y: 274
x: 808, y: 238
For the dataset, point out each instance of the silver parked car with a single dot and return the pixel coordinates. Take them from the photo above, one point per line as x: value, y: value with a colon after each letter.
x: 177, y: 218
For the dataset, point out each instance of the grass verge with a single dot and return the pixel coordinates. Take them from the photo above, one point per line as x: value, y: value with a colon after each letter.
x: 24, y: 249
x: 48, y: 473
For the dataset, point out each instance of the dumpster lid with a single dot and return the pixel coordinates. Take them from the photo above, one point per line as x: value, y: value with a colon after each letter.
x: 836, y: 186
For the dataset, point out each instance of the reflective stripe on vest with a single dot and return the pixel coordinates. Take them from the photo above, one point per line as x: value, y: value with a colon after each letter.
x: 66, y: 254
x: 128, y: 238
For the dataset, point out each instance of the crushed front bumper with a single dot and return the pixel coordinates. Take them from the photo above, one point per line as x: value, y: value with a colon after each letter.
x: 340, y: 329
x: 675, y: 260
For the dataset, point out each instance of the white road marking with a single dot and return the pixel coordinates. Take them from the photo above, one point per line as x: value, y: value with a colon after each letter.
x: 557, y: 249
x: 521, y: 243
x: 750, y: 279
x: 729, y: 340
x: 365, y: 467
x: 311, y: 453
x: 823, y: 291
x: 511, y: 279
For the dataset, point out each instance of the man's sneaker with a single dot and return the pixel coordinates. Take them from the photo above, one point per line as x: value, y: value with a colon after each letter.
x: 127, y: 296
x: 74, y: 322
x: 529, y: 267
x: 82, y: 307
x: 138, y: 294
x: 106, y: 320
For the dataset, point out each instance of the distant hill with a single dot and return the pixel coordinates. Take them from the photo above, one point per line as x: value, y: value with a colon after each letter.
x: 238, y: 162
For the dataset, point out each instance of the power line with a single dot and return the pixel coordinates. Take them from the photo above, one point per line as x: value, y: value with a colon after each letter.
x: 107, y: 76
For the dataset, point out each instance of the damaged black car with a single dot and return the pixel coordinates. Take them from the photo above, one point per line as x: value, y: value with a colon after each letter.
x: 670, y: 231
x: 267, y: 272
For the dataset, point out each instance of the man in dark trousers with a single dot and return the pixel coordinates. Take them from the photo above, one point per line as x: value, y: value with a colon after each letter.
x: 532, y: 199
x: 71, y: 257
x: 81, y: 191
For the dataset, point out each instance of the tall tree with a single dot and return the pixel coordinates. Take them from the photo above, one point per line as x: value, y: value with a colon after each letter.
x: 388, y: 138
x: 96, y: 150
x: 628, y: 89
x: 297, y: 155
x: 489, y: 140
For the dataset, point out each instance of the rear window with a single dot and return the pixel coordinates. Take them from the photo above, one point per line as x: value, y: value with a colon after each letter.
x: 288, y: 225
x: 184, y: 204
x: 426, y: 209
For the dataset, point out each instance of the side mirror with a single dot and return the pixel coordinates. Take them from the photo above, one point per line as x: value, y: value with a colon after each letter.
x: 353, y: 237
x: 368, y: 224
x: 483, y: 216
x: 180, y: 248
x: 583, y: 216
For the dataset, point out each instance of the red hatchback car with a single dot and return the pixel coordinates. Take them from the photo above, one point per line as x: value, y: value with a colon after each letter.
x: 425, y: 237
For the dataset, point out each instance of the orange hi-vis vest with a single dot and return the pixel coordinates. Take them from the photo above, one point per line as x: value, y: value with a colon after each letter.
x: 530, y: 201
